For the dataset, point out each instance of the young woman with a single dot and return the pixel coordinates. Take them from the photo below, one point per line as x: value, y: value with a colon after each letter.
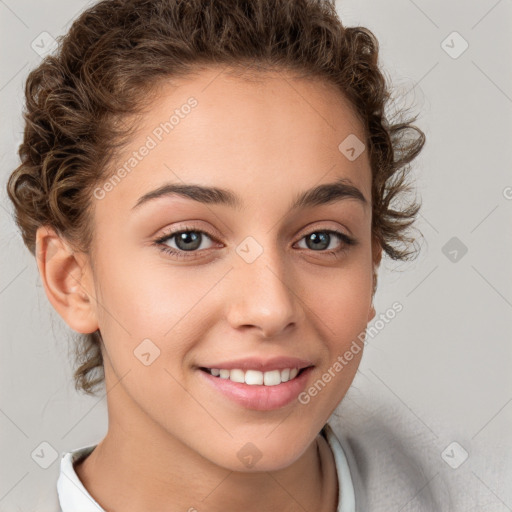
x: 208, y: 188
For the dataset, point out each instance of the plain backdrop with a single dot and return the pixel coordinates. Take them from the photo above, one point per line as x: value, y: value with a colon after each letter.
x: 445, y: 359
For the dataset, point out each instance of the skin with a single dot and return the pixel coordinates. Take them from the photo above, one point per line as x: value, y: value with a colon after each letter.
x: 172, y: 440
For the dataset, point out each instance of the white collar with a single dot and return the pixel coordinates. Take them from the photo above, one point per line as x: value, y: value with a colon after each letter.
x: 74, y: 497
x: 346, y: 493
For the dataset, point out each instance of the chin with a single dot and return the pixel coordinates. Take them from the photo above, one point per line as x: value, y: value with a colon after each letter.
x: 265, y: 452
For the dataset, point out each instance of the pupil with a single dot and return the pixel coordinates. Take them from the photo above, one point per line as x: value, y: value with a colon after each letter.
x: 185, y: 239
x: 323, y: 240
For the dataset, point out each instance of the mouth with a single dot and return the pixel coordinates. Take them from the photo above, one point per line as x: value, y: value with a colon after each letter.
x: 255, y: 377
x: 256, y: 385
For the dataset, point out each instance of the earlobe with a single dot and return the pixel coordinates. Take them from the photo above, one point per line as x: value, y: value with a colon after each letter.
x: 376, y: 253
x: 376, y: 257
x: 371, y: 314
x: 67, y: 280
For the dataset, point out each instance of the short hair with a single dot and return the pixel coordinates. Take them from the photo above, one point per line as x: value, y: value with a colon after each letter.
x: 118, y: 52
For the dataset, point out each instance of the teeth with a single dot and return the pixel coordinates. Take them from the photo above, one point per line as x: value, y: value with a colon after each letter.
x: 272, y: 378
x: 255, y: 377
x: 237, y: 376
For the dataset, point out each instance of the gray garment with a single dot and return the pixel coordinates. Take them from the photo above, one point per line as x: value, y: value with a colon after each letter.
x: 395, y: 465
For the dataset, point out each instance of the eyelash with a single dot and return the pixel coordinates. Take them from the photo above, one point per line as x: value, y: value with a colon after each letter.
x: 347, y: 242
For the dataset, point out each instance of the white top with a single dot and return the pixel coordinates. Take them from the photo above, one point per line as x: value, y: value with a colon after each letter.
x: 73, y: 496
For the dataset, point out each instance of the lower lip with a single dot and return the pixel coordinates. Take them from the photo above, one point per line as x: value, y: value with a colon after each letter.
x: 260, y: 398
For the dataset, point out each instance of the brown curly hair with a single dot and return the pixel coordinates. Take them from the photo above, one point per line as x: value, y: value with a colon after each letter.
x: 116, y: 53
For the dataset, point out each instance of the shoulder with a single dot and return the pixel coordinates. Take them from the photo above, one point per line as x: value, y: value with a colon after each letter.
x: 391, y: 456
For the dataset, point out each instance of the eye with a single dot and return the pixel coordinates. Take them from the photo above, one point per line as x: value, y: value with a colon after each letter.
x: 186, y: 240
x: 320, y: 241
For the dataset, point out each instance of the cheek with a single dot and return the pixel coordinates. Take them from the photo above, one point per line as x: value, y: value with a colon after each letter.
x: 340, y: 301
x: 143, y: 297
x: 150, y: 307
x: 340, y: 310
x: 146, y: 331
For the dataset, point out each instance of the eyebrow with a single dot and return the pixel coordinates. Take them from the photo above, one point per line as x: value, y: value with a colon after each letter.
x: 326, y: 193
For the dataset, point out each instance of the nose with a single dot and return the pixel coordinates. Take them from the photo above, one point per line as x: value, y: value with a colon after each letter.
x: 262, y: 296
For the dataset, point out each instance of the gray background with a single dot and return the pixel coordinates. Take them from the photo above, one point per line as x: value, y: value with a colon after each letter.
x: 445, y: 360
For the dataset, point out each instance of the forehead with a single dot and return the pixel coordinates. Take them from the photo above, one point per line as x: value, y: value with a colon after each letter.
x: 258, y: 133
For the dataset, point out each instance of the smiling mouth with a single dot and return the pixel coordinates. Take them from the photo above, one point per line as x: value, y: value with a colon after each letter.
x: 256, y: 377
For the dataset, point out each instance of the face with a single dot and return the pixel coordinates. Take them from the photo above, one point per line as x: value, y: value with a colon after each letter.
x: 193, y: 286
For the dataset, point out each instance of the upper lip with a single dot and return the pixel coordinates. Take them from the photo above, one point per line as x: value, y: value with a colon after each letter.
x: 260, y: 364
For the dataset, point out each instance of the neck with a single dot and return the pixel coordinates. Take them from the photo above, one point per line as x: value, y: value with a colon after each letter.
x: 134, y: 476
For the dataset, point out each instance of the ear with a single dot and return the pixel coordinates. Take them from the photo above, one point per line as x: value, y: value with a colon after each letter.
x: 376, y: 258
x: 67, y: 280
